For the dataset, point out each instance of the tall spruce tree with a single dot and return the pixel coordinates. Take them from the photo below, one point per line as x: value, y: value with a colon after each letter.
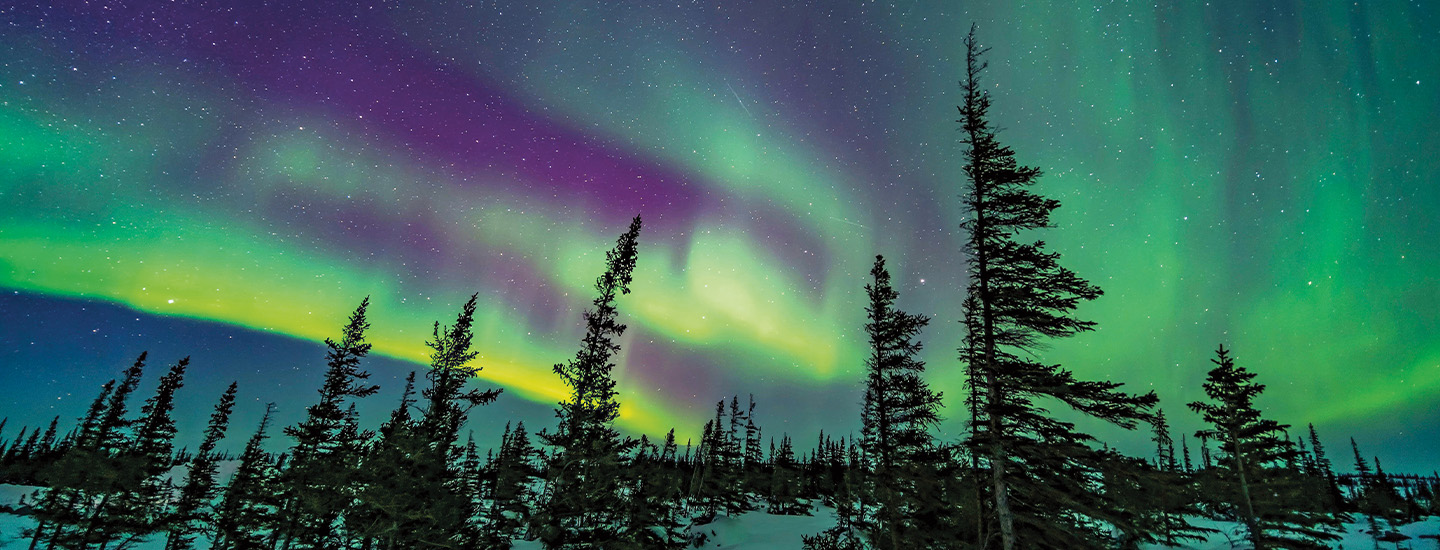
x: 755, y: 478
x: 585, y: 472
x: 739, y: 501
x: 898, y: 411
x: 718, y: 484
x: 418, y: 498
x: 386, y: 507
x: 56, y: 509
x: 141, y: 504
x: 1365, y: 489
x: 192, y: 508
x: 1334, y: 499
x: 84, y: 482
x: 245, y: 518
x: 1040, y: 468
x: 320, y: 482
x: 1251, y: 479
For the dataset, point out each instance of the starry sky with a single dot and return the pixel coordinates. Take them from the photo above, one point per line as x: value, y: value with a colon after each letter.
x: 227, y: 179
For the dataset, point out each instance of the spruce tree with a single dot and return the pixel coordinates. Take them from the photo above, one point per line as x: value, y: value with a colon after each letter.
x: 586, y: 471
x: 192, y: 509
x: 448, y: 402
x: 76, y: 511
x: 653, y: 514
x: 1040, y: 468
x: 1250, y: 479
x: 319, y: 483
x: 898, y: 411
x: 1164, y: 443
x: 387, y: 507
x: 144, y: 493
x: 737, y: 501
x: 245, y: 518
x: 512, y: 496
x: 1365, y: 490
x: 472, y: 486
x: 1334, y: 499
x: 785, y: 482
x: 58, y: 508
x: 719, y: 484
x: 1185, y: 451
x: 416, y: 498
x: 707, y: 482
x: 755, y: 479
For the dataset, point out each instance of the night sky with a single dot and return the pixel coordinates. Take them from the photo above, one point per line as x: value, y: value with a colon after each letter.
x: 227, y: 180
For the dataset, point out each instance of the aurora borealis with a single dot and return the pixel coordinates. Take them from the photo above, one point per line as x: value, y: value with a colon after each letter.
x: 1262, y: 174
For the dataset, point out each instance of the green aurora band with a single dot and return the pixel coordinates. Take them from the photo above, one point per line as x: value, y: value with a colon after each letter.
x: 1262, y: 175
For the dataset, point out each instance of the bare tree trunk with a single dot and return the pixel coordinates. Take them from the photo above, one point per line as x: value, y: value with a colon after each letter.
x: 1250, y: 523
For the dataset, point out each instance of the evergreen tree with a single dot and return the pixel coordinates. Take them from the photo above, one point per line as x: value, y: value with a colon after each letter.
x: 1155, y: 501
x: 47, y: 443
x: 512, y: 496
x: 319, y: 483
x: 472, y: 486
x: 386, y: 507
x: 585, y: 473
x: 785, y: 483
x: 140, y: 506
x: 59, y: 508
x: 416, y: 497
x: 653, y: 513
x: 1040, y: 468
x: 192, y: 509
x: 738, y: 501
x: 719, y: 485
x: 1164, y: 443
x: 84, y: 482
x: 1376, y: 497
x: 448, y: 402
x: 898, y: 411
x: 245, y: 517
x: 756, y: 481
x: 1334, y: 500
x: 1251, y: 480
x: 1365, y: 484
x: 849, y: 511
x: 1387, y: 497
x: 1185, y: 450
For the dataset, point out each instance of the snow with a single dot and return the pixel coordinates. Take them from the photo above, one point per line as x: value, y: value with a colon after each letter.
x: 1232, y: 536
x: 751, y: 530
x: 761, y: 531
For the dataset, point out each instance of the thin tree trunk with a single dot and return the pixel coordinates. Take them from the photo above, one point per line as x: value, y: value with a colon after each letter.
x: 90, y: 529
x: 1002, y: 497
x: 39, y: 532
x: 1250, y: 523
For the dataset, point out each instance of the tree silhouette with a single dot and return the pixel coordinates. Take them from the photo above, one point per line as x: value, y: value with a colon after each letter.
x: 320, y: 481
x: 586, y: 470
x: 898, y: 411
x: 191, y: 509
x: 1020, y: 296
x: 1252, y: 479
x: 246, y: 516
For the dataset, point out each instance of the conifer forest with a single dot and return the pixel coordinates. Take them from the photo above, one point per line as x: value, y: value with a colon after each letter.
x: 810, y: 275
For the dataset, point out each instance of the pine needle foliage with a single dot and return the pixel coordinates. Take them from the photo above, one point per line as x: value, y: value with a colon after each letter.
x: 585, y: 473
x: 1042, y: 470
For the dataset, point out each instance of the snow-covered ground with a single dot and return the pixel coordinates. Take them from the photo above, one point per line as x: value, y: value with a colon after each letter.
x: 761, y: 531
